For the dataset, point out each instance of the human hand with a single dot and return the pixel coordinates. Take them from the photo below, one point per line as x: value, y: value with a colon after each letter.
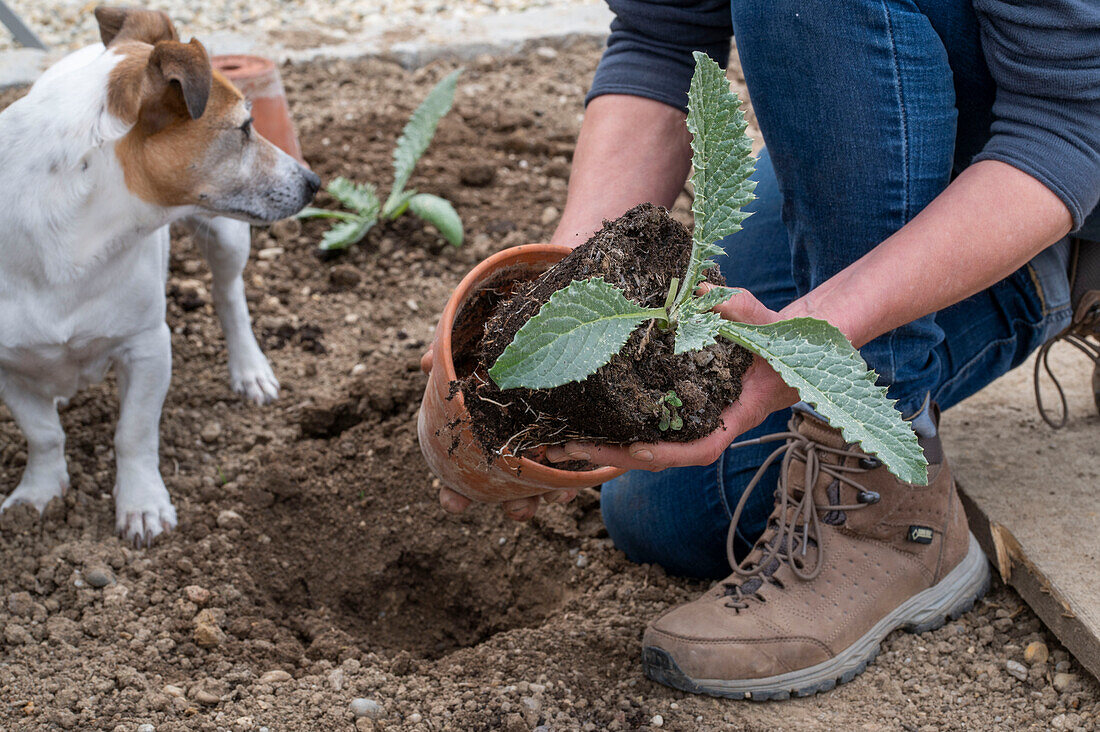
x: 762, y: 392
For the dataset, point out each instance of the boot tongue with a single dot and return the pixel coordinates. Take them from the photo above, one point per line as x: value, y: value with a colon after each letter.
x: 814, y: 427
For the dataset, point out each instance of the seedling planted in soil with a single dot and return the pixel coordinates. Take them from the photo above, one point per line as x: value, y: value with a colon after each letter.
x: 580, y: 331
x: 365, y: 208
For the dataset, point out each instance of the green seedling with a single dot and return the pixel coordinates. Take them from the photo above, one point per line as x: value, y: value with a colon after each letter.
x: 365, y: 208
x: 669, y: 416
x: 585, y: 324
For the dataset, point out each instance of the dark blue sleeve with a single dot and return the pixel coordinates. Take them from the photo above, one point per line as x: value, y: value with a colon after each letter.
x: 649, y: 50
x: 1045, y: 59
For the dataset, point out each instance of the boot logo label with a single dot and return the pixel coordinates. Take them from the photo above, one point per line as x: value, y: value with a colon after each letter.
x: 920, y: 534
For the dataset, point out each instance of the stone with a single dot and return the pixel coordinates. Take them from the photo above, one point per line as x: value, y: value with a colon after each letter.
x: 1036, y: 653
x: 477, y: 175
x: 173, y: 691
x: 196, y: 594
x: 208, y: 691
x: 1063, y: 682
x: 549, y: 216
x: 20, y: 603
x: 211, y: 432
x: 344, y: 276
x: 99, y: 576
x: 206, y: 635
x: 657, y: 721
x: 369, y: 708
x: 146, y: 728
x: 546, y: 52
x: 1016, y: 670
x: 230, y: 520
x: 275, y: 676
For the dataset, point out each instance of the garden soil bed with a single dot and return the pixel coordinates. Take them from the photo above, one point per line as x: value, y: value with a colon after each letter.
x: 312, y: 564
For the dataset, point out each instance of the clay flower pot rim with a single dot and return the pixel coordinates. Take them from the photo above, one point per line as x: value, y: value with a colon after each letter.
x: 443, y: 359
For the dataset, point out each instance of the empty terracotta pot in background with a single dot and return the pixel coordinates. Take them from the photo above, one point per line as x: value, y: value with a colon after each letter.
x: 258, y: 79
x: 443, y: 425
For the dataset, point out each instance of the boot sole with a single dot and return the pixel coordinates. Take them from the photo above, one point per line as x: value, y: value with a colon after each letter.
x: 952, y: 596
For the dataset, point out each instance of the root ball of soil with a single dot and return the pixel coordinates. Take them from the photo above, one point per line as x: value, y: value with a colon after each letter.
x: 639, y: 253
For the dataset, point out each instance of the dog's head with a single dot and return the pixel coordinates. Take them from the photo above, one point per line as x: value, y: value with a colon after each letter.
x: 190, y: 141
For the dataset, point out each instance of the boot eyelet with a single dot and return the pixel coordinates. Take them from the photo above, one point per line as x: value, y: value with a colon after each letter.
x: 868, y: 497
x: 869, y: 463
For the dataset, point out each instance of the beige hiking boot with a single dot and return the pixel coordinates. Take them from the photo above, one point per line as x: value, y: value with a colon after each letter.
x: 837, y: 569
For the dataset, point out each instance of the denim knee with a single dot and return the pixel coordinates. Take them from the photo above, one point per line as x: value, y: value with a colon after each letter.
x: 675, y: 518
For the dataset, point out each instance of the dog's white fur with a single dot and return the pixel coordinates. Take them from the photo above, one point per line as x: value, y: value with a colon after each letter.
x: 83, y: 267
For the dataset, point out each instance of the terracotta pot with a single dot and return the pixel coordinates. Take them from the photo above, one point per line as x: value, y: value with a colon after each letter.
x: 258, y: 79
x: 444, y: 424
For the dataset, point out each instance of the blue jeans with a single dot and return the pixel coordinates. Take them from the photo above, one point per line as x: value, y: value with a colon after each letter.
x: 868, y: 109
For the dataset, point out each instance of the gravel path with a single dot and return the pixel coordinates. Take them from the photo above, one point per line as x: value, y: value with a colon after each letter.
x: 68, y: 24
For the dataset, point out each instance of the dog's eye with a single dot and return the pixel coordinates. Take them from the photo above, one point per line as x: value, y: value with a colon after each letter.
x: 246, y: 128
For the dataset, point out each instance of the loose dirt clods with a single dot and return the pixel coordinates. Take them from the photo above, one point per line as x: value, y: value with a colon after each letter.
x: 343, y: 578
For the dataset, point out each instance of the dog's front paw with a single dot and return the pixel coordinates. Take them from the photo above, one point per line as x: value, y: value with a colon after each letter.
x: 143, y: 512
x: 253, y: 379
x: 38, y: 490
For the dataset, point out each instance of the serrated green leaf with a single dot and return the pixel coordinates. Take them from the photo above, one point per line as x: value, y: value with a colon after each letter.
x: 323, y: 213
x: 359, y: 197
x: 722, y: 161
x: 575, y: 332
x: 439, y: 213
x: 419, y: 131
x: 815, y: 358
x: 346, y: 233
x: 712, y: 298
x: 697, y: 331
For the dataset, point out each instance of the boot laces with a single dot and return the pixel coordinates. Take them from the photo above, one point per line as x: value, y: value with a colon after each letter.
x: 795, y: 524
x: 1080, y: 335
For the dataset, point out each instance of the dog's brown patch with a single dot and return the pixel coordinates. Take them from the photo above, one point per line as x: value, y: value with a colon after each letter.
x: 164, y: 156
x: 133, y: 24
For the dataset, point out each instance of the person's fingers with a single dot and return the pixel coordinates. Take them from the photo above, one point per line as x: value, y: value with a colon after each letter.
x: 427, y: 360
x: 521, y: 509
x: 564, y: 496
x: 453, y: 502
x: 743, y: 307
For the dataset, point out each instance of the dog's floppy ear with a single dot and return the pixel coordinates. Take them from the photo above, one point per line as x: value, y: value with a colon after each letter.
x: 187, y: 74
x: 134, y: 24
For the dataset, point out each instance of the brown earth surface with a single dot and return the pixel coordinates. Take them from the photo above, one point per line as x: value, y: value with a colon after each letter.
x: 312, y: 564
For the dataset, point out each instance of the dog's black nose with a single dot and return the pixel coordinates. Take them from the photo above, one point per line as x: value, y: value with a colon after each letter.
x: 312, y: 181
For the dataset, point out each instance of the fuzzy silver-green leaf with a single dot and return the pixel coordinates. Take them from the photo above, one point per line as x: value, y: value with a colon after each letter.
x: 575, y: 332
x: 815, y: 358
x: 697, y: 331
x: 722, y: 161
x: 439, y: 213
x: 712, y: 298
x: 359, y: 197
x: 346, y: 233
x: 418, y: 133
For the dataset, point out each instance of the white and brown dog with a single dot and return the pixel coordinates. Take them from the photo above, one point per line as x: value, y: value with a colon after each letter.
x: 111, y: 145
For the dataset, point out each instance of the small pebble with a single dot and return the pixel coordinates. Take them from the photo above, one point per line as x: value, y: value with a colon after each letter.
x: 369, y: 708
x: 146, y: 728
x: 1036, y: 653
x: 657, y: 721
x: 270, y: 253
x: 549, y: 216
x: 1063, y: 682
x: 211, y: 432
x: 198, y: 595
x: 546, y: 52
x: 208, y: 636
x: 230, y: 520
x: 1062, y: 666
x: 275, y: 676
x: 415, y: 718
x: 1016, y: 670
x: 99, y: 577
x: 359, y: 369
x: 582, y: 561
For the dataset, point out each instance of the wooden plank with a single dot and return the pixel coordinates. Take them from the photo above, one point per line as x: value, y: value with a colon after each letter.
x: 1032, y: 495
